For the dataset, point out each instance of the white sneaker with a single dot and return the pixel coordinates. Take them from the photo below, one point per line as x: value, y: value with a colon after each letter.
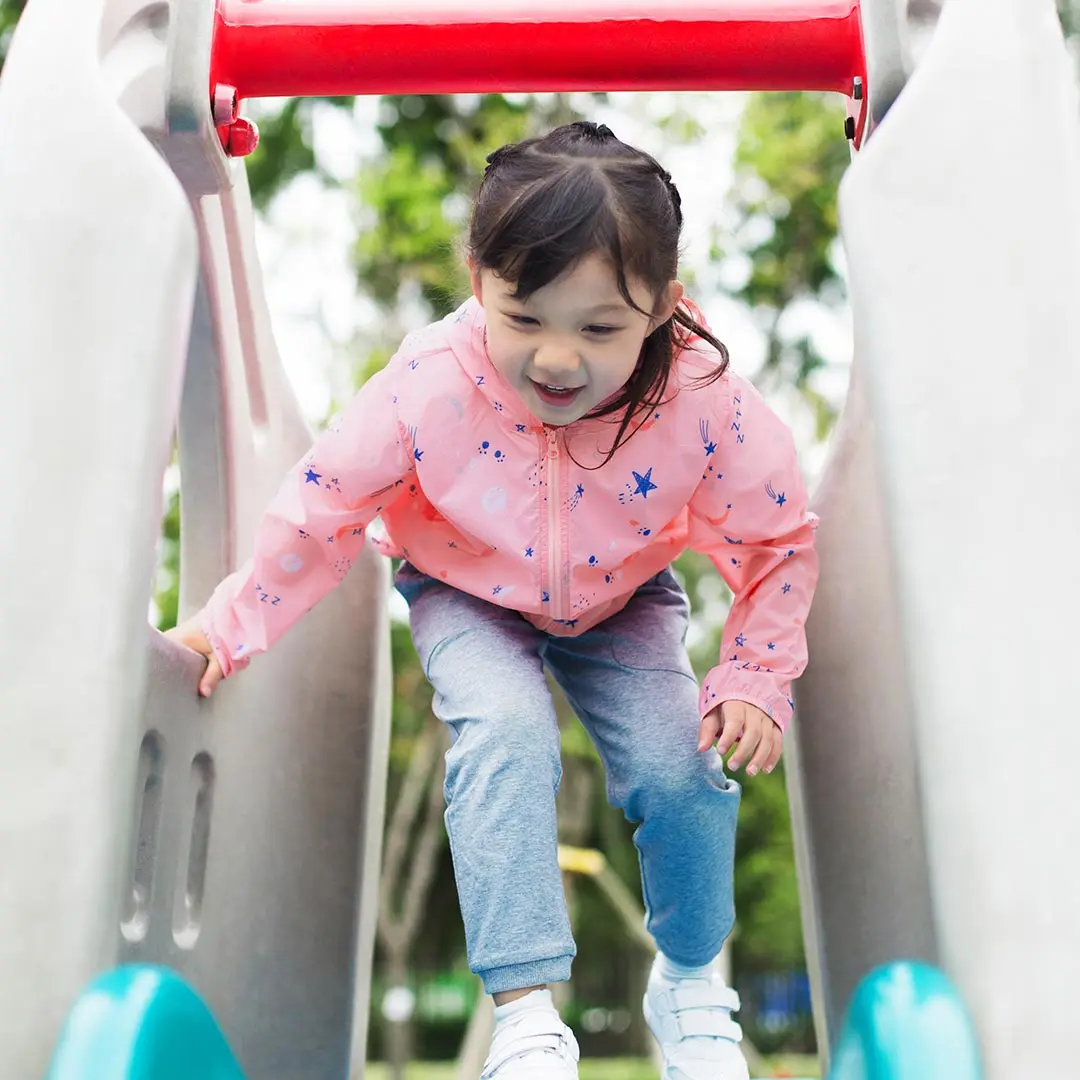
x: 691, y: 1020
x: 534, y: 1045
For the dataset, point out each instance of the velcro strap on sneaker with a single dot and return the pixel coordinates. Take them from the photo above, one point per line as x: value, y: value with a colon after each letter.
x: 535, y: 1032
x: 702, y: 995
x: 694, y: 1023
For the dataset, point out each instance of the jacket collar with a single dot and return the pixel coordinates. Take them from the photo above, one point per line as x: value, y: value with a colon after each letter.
x: 466, y: 331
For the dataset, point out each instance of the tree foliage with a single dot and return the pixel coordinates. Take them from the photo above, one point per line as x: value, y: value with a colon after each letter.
x: 789, y: 161
x: 10, y: 10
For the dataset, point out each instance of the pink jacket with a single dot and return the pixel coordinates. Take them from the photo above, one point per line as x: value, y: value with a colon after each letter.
x: 476, y: 492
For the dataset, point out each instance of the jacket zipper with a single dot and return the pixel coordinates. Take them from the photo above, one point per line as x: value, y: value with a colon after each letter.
x: 555, y: 555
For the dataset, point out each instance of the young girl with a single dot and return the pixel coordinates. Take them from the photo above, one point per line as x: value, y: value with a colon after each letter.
x: 539, y: 458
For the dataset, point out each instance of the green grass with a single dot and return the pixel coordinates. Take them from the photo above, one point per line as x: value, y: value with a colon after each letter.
x: 600, y: 1069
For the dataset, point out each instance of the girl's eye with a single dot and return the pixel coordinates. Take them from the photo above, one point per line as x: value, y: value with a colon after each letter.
x: 523, y: 320
x: 601, y: 331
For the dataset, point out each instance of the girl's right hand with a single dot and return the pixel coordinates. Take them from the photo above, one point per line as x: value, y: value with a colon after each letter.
x: 190, y: 633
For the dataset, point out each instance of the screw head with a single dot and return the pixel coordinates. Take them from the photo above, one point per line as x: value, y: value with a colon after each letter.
x: 226, y: 105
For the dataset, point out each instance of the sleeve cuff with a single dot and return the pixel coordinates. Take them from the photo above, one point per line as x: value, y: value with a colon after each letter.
x: 228, y: 663
x: 767, y: 692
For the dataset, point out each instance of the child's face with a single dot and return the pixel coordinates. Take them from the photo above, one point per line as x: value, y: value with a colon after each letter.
x: 573, y: 343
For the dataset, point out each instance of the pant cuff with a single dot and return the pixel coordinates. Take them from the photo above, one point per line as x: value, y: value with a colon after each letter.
x: 518, y: 976
x: 705, y: 955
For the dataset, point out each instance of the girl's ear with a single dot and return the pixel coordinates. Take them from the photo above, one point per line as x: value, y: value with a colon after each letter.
x: 475, y: 282
x: 668, y: 301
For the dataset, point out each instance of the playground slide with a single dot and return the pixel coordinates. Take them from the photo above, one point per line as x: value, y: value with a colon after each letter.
x: 950, y: 452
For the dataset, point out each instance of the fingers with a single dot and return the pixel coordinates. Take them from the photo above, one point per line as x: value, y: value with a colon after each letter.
x: 777, y: 751
x: 770, y: 738
x: 751, y: 733
x: 709, y: 730
x: 211, y: 677
x: 734, y: 717
x: 757, y: 740
x: 190, y: 633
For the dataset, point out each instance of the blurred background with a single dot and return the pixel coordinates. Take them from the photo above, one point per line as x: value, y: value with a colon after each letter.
x: 361, y: 204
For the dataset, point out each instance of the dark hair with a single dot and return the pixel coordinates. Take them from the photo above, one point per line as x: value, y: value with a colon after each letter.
x: 546, y: 203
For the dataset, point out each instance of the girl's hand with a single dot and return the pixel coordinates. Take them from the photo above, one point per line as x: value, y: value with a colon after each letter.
x: 754, y: 731
x: 190, y: 633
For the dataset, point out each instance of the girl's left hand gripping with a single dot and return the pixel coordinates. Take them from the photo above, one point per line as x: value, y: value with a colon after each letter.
x: 749, y: 730
x: 190, y: 633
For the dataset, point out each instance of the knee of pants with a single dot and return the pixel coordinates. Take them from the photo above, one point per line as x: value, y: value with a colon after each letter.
x: 512, y: 745
x: 651, y: 782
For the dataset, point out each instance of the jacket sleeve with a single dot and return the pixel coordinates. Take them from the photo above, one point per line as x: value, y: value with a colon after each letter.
x: 314, y: 527
x: 749, y: 516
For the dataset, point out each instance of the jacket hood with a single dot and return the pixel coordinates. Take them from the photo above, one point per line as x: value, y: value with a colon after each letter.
x: 466, y: 335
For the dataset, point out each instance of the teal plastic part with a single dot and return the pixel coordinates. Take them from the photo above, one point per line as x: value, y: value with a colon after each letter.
x: 907, y: 1022
x: 142, y: 1023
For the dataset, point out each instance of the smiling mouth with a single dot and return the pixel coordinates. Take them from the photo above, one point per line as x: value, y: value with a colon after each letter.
x: 555, y: 395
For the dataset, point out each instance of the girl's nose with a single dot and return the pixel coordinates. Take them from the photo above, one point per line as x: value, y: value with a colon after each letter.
x: 557, y: 366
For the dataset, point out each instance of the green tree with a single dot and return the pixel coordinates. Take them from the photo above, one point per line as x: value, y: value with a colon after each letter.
x: 789, y: 161
x: 10, y: 10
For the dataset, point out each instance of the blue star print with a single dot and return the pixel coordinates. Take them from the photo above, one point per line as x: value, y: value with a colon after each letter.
x: 779, y: 499
x: 312, y: 477
x: 706, y: 442
x: 786, y: 588
x: 644, y: 483
x: 740, y: 641
x: 417, y: 452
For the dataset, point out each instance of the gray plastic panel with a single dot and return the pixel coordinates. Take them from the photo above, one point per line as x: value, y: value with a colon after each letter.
x: 97, y: 274
x: 851, y: 767
x: 250, y: 846
x: 962, y: 226
x: 888, y: 53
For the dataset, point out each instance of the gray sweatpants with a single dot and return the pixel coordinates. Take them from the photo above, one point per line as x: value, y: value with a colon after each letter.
x: 630, y: 682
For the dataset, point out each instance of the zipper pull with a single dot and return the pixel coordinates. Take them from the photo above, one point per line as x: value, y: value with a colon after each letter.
x: 553, y: 444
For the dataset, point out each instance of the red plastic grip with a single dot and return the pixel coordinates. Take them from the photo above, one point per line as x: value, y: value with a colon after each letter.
x: 286, y: 48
